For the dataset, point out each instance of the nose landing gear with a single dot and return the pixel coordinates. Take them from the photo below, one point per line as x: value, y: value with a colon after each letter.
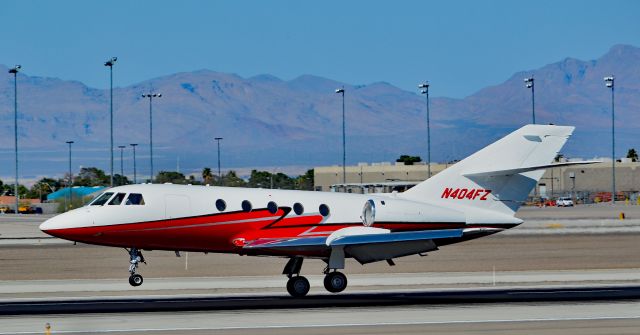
x: 135, y: 257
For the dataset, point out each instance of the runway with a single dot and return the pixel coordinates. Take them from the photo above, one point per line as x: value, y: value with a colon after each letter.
x: 581, y: 318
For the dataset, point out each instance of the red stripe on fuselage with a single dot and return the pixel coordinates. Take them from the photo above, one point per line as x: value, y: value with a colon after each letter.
x: 200, y: 233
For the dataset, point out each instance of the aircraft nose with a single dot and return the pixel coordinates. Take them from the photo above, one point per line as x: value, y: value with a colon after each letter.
x: 71, y: 219
x: 53, y: 223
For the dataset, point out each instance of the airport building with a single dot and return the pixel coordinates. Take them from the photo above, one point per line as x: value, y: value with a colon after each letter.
x: 560, y: 181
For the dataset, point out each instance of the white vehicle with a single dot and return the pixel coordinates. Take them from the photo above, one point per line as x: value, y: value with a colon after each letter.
x: 564, y: 202
x: 476, y: 197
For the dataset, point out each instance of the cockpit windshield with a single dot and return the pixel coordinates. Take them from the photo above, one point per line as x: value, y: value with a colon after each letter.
x: 102, y: 199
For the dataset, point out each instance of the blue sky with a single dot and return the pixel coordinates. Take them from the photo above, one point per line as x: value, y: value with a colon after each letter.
x: 460, y: 46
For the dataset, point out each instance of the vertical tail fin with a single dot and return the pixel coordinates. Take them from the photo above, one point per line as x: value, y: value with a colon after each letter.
x: 498, y: 177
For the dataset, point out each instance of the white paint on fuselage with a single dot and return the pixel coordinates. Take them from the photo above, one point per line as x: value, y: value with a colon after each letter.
x: 165, y: 201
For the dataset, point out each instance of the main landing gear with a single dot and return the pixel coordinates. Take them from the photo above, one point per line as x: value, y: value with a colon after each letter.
x: 335, y: 282
x: 135, y: 257
x: 298, y: 286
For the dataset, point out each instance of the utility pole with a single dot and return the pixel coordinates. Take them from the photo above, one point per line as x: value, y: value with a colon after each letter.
x: 425, y: 90
x: 70, y: 177
x: 218, y: 139
x: 121, y: 164
x: 609, y: 82
x: 110, y: 64
x: 529, y: 83
x: 151, y: 96
x: 135, y: 180
x: 344, y: 139
x: 14, y: 71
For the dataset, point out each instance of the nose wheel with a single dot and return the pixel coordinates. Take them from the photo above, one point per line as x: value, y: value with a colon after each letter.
x: 135, y: 257
x: 335, y: 282
x: 135, y: 280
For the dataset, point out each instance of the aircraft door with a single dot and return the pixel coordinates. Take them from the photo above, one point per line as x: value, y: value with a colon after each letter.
x: 176, y: 206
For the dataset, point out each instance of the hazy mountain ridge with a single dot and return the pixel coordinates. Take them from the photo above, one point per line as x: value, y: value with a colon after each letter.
x: 269, y: 121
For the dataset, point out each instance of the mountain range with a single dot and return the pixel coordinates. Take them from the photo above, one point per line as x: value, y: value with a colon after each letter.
x: 291, y: 125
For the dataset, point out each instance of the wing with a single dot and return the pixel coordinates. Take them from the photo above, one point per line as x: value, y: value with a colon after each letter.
x: 365, y: 244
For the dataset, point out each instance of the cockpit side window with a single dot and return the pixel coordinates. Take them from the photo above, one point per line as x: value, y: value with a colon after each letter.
x: 135, y: 199
x: 101, y: 200
x: 117, y: 200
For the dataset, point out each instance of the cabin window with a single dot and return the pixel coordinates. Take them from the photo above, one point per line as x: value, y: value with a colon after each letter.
x: 101, y: 200
x: 298, y: 208
x: 272, y: 207
x: 135, y: 199
x: 117, y: 200
x: 221, y: 205
x: 246, y: 206
x: 324, y: 210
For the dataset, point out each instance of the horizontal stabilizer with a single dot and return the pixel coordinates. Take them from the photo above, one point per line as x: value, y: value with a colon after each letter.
x: 509, y: 172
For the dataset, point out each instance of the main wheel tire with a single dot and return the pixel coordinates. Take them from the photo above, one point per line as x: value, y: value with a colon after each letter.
x: 298, y: 286
x: 135, y: 280
x: 335, y: 282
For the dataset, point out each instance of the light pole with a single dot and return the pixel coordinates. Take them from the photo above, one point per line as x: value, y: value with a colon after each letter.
x: 609, y: 82
x: 344, y: 140
x: 151, y: 95
x: 122, y: 163
x: 110, y: 64
x: 70, y: 176
x: 219, y: 173
x: 14, y: 71
x: 529, y: 83
x: 424, y: 89
x: 133, y: 145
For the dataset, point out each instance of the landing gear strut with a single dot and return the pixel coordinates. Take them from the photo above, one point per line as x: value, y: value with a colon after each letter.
x: 297, y: 285
x: 136, y: 257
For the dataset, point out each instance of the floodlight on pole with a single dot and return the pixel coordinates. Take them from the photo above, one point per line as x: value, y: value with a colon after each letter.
x: 610, y: 83
x: 424, y: 89
x: 110, y: 62
x: 14, y: 70
x: 151, y: 96
x: 344, y: 139
x: 529, y: 83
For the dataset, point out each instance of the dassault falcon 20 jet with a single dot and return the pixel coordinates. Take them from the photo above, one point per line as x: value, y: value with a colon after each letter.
x: 476, y: 197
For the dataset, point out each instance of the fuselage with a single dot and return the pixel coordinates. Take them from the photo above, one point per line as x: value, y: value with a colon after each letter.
x: 222, y: 219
